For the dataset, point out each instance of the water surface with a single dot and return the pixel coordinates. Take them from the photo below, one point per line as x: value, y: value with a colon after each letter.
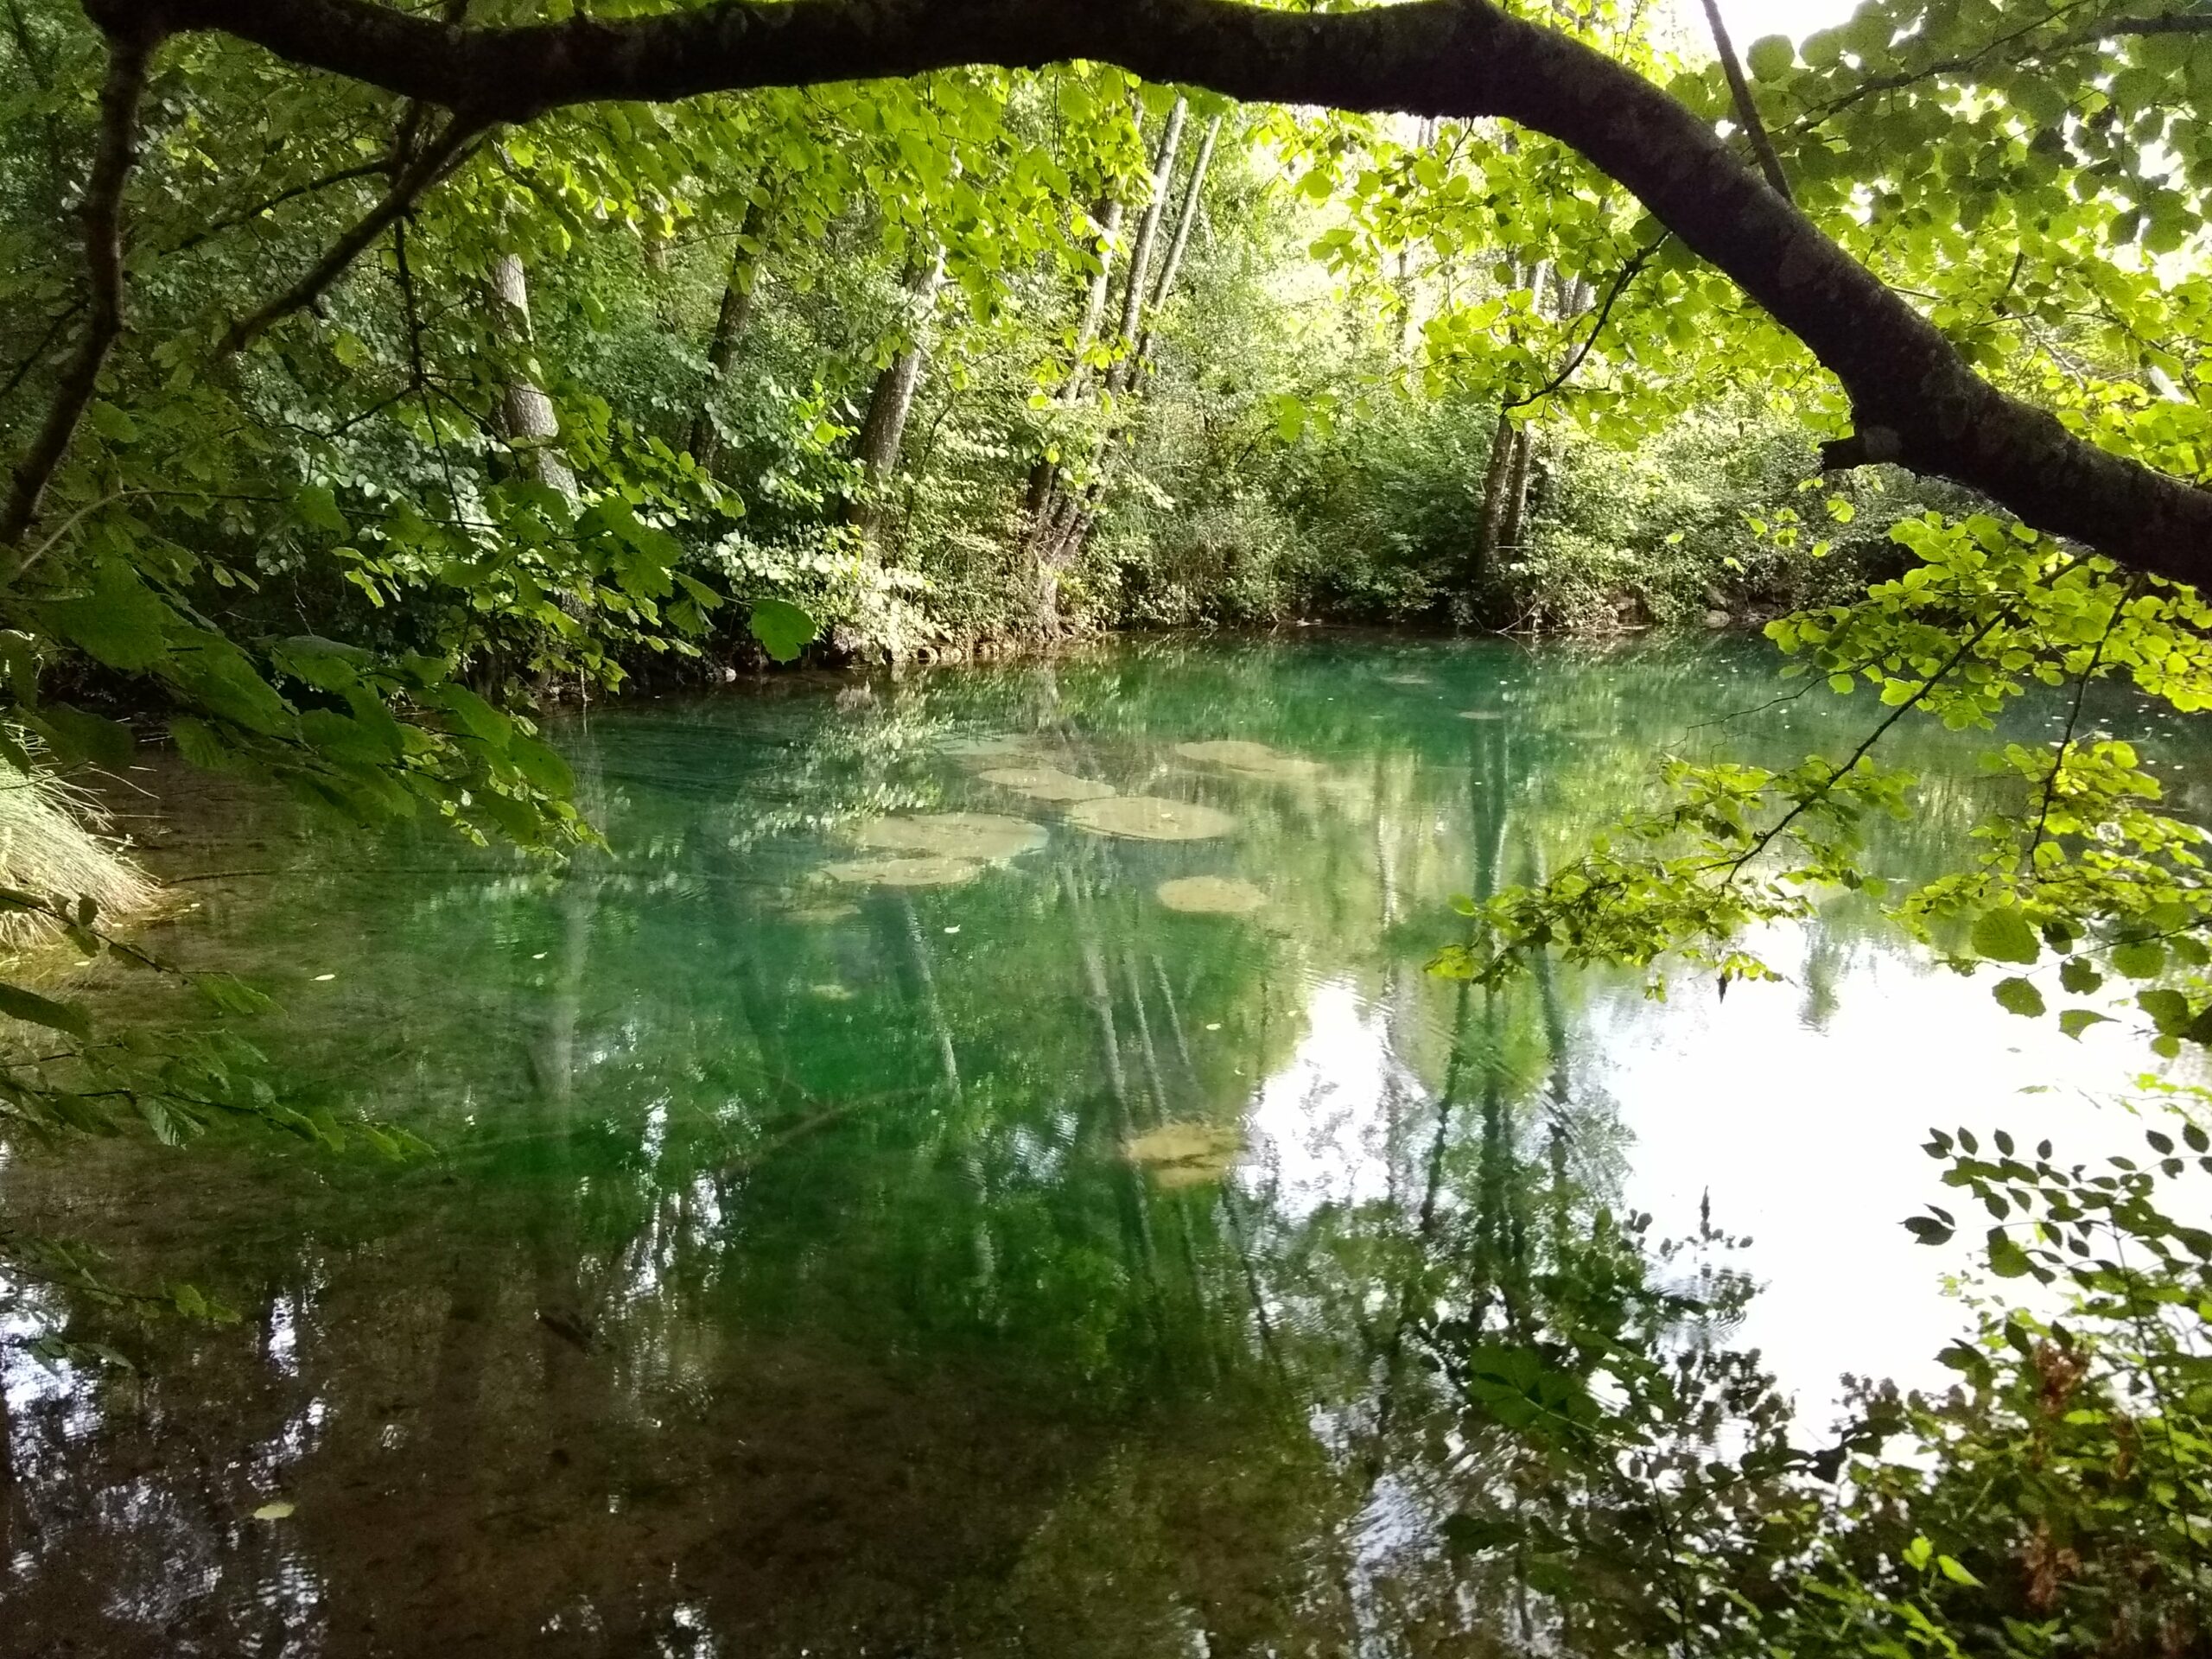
x: 1008, y: 1265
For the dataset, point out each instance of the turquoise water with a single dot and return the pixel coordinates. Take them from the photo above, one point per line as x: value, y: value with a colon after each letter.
x: 852, y: 1233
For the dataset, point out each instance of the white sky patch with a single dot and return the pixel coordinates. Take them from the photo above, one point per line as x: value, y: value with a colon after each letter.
x: 1750, y: 20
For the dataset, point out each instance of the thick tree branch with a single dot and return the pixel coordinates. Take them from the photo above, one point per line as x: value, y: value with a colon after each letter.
x: 130, y: 53
x: 446, y: 152
x: 1459, y: 59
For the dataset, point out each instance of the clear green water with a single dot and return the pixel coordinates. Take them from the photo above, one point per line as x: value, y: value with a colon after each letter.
x: 785, y: 1281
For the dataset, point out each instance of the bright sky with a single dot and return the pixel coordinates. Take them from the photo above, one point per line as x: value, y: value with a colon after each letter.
x: 1748, y: 19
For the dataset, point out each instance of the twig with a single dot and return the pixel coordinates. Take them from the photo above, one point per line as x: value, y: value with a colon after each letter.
x: 452, y: 147
x: 129, y: 58
x: 1612, y: 294
x: 2073, y: 719
x: 39, y: 351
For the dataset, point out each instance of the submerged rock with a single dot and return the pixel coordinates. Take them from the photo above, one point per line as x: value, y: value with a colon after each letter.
x: 918, y: 872
x: 1186, y: 1153
x: 1252, y: 759
x: 1048, y: 784
x: 986, y: 836
x: 1211, y: 895
x: 1150, y: 818
x: 1004, y: 746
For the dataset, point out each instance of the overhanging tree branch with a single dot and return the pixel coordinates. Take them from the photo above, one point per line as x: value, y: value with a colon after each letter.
x: 450, y: 148
x: 1449, y: 57
x: 130, y: 51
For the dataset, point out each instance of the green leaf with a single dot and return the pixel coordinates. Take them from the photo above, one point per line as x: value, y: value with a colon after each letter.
x: 2079, y: 976
x: 76, y: 735
x: 111, y: 423
x: 28, y: 1006
x: 2002, y: 935
x: 1928, y: 1230
x: 1770, y: 57
x: 782, y: 628
x: 541, y: 764
x: 2006, y: 1259
x: 1957, y: 1575
x: 2140, y: 958
x: 2018, y: 995
x: 478, y: 718
x: 316, y: 507
x: 2169, y: 1011
x: 2075, y: 1022
x: 122, y: 621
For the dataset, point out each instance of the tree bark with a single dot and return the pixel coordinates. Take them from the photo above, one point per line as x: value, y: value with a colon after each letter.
x: 129, y: 56
x: 1918, y: 402
x: 883, y: 433
x: 530, y: 418
x: 729, y: 329
x: 1515, y: 506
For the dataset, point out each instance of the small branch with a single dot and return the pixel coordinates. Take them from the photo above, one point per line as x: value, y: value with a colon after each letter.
x: 207, y: 232
x: 2073, y: 720
x: 1735, y: 866
x: 1612, y: 294
x: 129, y: 58
x: 39, y: 351
x: 451, y: 147
x: 1746, y: 111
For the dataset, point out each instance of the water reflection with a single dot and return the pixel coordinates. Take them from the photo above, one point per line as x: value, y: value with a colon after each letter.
x: 1010, y: 1264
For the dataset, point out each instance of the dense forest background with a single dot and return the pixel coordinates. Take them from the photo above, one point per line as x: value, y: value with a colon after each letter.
x: 968, y: 361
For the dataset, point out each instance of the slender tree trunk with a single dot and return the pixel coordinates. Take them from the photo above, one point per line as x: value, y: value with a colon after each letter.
x: 729, y: 329
x: 1068, y: 527
x: 1134, y: 285
x: 1173, y: 265
x: 883, y: 433
x: 1044, y: 473
x: 1487, y: 539
x: 530, y: 421
x: 1516, y: 494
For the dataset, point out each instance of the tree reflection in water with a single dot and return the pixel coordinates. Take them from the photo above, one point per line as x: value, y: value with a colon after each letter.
x: 783, y: 1283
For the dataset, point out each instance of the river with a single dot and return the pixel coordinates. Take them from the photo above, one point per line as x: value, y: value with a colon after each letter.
x: 976, y: 1166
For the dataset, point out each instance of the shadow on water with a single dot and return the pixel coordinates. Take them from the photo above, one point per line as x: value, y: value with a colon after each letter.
x: 1006, y: 1264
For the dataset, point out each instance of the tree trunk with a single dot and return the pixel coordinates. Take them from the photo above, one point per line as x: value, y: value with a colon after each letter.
x: 729, y: 330
x: 1517, y: 495
x: 530, y: 418
x: 883, y: 433
x: 1173, y: 265
x: 1487, y: 540
x: 1065, y: 532
x: 1134, y: 284
x: 1044, y: 473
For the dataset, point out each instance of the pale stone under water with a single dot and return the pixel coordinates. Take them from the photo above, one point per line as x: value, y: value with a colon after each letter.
x: 987, y: 836
x: 914, y: 872
x: 1211, y: 895
x: 1251, y: 759
x: 1185, y: 1154
x: 1149, y: 817
x: 1048, y: 784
